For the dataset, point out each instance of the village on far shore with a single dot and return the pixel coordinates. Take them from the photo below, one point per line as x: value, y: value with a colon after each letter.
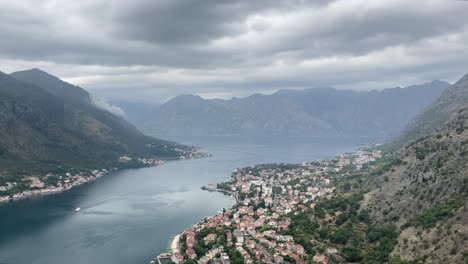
x: 268, y: 198
x: 58, y: 182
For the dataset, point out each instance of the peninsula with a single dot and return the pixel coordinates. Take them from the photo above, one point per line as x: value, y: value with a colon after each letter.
x: 269, y: 221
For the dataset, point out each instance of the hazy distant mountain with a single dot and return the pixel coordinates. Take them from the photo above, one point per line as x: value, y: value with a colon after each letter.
x: 48, y: 123
x: 311, y: 112
x: 137, y: 112
x: 438, y: 112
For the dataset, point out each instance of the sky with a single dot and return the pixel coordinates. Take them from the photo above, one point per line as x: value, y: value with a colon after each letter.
x: 152, y: 50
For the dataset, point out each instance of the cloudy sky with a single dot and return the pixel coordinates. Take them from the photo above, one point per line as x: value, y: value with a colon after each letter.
x: 151, y: 50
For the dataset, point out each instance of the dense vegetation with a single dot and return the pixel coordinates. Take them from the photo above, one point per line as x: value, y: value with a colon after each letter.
x: 340, y: 223
x: 431, y: 216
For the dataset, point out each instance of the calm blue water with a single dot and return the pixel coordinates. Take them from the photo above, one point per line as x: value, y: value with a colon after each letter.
x: 130, y: 216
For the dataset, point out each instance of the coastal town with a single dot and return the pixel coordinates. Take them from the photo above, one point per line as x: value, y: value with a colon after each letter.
x: 58, y: 182
x: 49, y: 184
x: 261, y: 226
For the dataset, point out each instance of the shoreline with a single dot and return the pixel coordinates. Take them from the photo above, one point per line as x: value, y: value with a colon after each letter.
x: 88, y: 179
x: 175, y: 245
x: 174, y: 248
x: 174, y: 242
x: 44, y: 192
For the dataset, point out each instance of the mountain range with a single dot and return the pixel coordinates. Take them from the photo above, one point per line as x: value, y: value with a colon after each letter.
x: 419, y: 189
x: 48, y: 124
x: 303, y: 113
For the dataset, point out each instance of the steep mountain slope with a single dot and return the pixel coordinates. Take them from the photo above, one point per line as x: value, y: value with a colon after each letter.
x: 54, y: 125
x: 437, y: 113
x: 312, y: 112
x: 81, y: 102
x: 425, y: 193
x: 70, y: 93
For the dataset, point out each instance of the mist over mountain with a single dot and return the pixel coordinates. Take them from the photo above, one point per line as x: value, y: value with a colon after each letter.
x: 48, y: 123
x: 304, y: 113
x: 137, y: 112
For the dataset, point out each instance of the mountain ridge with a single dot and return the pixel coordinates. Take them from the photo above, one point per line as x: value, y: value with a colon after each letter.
x: 424, y: 191
x: 310, y: 112
x: 51, y: 125
x: 453, y: 97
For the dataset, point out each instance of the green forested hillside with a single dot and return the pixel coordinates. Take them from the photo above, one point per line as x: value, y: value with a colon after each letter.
x: 50, y: 125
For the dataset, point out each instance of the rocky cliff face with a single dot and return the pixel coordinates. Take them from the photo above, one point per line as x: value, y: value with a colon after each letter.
x: 426, y: 193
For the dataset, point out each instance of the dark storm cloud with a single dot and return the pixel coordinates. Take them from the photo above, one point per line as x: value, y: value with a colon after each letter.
x: 157, y: 49
x: 181, y: 22
x: 178, y: 22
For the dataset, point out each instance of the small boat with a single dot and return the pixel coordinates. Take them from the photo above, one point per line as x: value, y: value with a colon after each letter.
x: 77, y: 209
